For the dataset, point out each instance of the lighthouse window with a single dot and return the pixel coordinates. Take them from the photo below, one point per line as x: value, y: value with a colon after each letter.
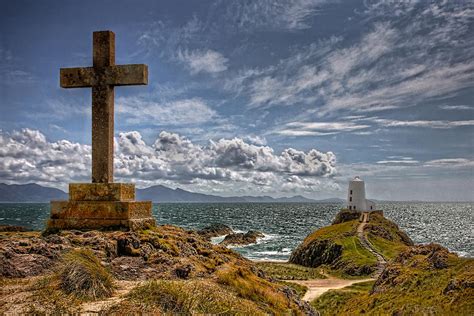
x: 350, y: 199
x: 350, y: 207
x: 351, y: 192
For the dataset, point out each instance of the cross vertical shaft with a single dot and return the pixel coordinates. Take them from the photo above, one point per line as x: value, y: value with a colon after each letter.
x: 103, y: 109
x: 102, y: 78
x: 102, y: 204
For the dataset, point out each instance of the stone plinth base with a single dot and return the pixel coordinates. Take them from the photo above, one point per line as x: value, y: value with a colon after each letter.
x: 107, y: 206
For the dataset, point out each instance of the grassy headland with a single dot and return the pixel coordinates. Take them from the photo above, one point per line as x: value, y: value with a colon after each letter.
x: 338, y: 248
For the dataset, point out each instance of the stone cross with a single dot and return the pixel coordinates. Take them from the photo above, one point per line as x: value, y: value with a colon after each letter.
x: 102, y: 77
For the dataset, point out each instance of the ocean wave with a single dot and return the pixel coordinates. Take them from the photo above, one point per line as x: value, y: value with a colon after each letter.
x: 282, y: 252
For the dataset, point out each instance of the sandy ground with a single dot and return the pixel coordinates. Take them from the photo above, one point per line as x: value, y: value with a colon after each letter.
x: 123, y: 288
x: 317, y: 287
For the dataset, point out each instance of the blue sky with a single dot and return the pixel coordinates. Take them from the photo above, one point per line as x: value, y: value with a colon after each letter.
x: 249, y: 97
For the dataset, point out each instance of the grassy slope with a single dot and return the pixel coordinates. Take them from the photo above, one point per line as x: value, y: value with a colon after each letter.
x: 385, y: 236
x: 414, y: 287
x: 344, y: 234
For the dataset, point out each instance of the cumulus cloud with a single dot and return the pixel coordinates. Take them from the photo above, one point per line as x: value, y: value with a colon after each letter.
x: 27, y: 156
x: 203, y: 61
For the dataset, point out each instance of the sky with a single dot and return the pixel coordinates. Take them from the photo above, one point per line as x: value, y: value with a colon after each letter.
x: 266, y: 97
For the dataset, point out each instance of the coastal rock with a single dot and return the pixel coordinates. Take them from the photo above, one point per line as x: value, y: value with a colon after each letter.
x: 242, y: 239
x: 419, y: 260
x: 345, y: 216
x: 436, y: 256
x: 128, y: 245
x: 215, y: 230
x: 316, y: 253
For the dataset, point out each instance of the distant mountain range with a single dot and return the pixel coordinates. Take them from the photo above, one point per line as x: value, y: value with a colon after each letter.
x: 158, y: 193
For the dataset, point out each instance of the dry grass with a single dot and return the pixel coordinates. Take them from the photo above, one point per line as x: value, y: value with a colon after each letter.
x: 82, y: 275
x: 289, y: 271
x: 178, y: 297
x: 249, y: 286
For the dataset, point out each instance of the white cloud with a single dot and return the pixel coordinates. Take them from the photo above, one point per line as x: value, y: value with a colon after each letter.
x: 27, y: 156
x: 208, y: 61
x: 391, y: 66
x: 451, y: 162
x: 273, y: 14
x: 138, y: 110
x: 456, y: 107
x: 396, y: 162
x: 423, y: 123
x: 318, y: 128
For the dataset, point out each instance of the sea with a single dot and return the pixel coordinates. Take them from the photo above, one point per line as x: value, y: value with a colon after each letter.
x: 285, y: 225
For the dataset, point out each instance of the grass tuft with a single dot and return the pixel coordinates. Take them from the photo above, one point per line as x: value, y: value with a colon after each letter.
x: 190, y: 297
x: 82, y: 275
x: 289, y: 271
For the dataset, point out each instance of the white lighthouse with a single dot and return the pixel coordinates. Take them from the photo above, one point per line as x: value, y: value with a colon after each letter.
x: 356, y: 200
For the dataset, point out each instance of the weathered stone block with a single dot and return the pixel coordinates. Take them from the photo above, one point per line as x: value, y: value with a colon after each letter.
x: 101, y: 191
x: 101, y: 224
x: 101, y: 215
x: 100, y: 209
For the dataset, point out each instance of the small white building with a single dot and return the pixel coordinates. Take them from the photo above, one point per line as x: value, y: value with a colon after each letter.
x: 356, y: 200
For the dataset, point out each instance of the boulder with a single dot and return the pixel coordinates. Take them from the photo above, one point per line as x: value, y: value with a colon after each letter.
x: 345, y: 216
x: 242, y: 239
x: 316, y: 253
x: 215, y: 230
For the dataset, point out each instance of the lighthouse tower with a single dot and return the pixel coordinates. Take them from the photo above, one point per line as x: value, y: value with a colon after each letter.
x: 356, y: 200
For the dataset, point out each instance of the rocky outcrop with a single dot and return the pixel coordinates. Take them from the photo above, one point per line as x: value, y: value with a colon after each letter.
x: 129, y: 255
x: 242, y: 239
x: 429, y: 257
x: 215, y: 230
x: 436, y: 256
x: 316, y: 253
x: 345, y: 216
x: 165, y: 253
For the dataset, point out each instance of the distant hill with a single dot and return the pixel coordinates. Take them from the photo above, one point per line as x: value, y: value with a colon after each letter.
x: 29, y: 193
x: 158, y: 193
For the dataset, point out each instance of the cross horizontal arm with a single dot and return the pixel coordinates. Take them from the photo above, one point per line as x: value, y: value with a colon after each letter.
x: 126, y: 75
x: 77, y: 77
x: 121, y: 75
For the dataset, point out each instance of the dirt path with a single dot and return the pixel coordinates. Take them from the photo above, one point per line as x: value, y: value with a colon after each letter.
x: 123, y: 288
x: 381, y: 262
x: 317, y: 287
